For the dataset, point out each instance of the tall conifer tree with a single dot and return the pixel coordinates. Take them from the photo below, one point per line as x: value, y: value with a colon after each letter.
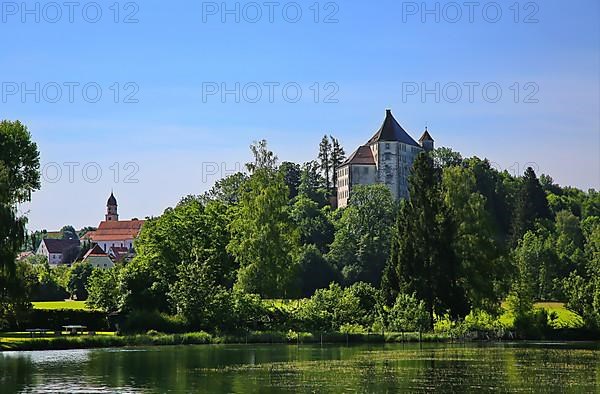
x: 531, y: 205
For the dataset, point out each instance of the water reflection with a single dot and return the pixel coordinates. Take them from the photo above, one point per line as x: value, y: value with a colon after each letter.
x: 305, y: 369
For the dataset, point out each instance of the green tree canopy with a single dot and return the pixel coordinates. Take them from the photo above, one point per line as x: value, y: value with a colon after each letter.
x: 103, y: 289
x: 19, y: 177
x: 195, y: 230
x: 423, y: 260
x: 264, y: 240
x: 531, y: 205
x: 363, y: 235
x: 77, y: 286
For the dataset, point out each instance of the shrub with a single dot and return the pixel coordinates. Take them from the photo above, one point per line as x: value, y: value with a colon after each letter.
x: 196, y: 338
x: 408, y: 314
x: 352, y: 329
x: 143, y: 321
x: 480, y: 321
x: 370, y: 306
x: 533, y: 325
x: 249, y: 312
x: 329, y: 309
x: 322, y: 310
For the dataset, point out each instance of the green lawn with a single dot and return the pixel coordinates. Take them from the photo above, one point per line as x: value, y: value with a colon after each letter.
x: 564, y: 317
x: 80, y: 305
x: 19, y: 340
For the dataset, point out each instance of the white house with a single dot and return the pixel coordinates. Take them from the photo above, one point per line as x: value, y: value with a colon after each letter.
x: 53, y: 249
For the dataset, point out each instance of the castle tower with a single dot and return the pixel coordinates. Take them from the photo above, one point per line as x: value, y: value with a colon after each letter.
x: 426, y: 141
x: 111, y: 209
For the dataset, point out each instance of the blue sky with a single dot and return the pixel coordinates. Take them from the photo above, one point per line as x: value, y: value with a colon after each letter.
x: 544, y: 60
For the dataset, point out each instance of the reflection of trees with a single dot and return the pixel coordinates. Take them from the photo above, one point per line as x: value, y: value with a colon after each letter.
x: 328, y: 369
x: 16, y: 373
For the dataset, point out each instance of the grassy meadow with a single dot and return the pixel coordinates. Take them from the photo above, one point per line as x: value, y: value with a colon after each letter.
x: 77, y: 305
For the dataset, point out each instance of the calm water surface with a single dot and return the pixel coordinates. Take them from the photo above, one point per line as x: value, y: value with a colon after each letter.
x: 540, y: 367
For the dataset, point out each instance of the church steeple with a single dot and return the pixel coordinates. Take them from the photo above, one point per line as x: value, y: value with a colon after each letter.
x: 111, y: 209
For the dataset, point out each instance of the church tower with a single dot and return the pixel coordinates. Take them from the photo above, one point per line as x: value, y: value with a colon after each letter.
x: 111, y: 209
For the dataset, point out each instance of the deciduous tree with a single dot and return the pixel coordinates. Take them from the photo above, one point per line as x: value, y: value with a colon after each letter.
x: 363, y: 234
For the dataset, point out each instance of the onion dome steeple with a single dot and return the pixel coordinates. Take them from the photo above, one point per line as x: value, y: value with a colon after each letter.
x: 111, y: 209
x: 111, y: 200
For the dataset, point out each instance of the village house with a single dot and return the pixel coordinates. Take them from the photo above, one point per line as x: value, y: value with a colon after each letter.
x: 386, y: 158
x: 53, y: 249
x: 97, y: 258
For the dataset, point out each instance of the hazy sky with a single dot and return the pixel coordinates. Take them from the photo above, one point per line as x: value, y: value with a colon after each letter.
x: 186, y: 86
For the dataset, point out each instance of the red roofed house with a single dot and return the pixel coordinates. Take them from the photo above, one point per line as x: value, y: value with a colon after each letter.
x: 115, y: 233
x: 98, y: 258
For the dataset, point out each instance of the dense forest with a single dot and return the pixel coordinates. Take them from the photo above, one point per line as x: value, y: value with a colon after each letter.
x: 469, y: 240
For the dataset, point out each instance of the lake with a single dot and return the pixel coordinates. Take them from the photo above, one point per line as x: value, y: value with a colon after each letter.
x: 470, y: 367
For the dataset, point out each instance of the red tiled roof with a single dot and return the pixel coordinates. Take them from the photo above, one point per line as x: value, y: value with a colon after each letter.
x: 24, y: 255
x: 362, y: 155
x: 119, y: 252
x: 95, y: 251
x: 117, y: 230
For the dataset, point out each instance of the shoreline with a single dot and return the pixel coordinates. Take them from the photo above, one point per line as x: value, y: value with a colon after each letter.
x: 203, y: 338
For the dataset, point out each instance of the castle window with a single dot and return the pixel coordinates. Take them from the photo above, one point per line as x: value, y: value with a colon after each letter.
x: 387, y: 156
x: 387, y: 145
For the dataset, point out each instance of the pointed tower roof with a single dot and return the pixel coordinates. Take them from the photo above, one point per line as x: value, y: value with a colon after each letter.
x: 426, y: 136
x: 391, y: 130
x: 111, y: 200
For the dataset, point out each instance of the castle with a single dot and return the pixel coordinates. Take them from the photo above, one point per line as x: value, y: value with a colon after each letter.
x: 386, y: 158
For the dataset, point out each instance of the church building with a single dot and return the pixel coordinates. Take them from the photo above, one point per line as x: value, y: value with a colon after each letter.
x: 115, y: 236
x: 386, y: 158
